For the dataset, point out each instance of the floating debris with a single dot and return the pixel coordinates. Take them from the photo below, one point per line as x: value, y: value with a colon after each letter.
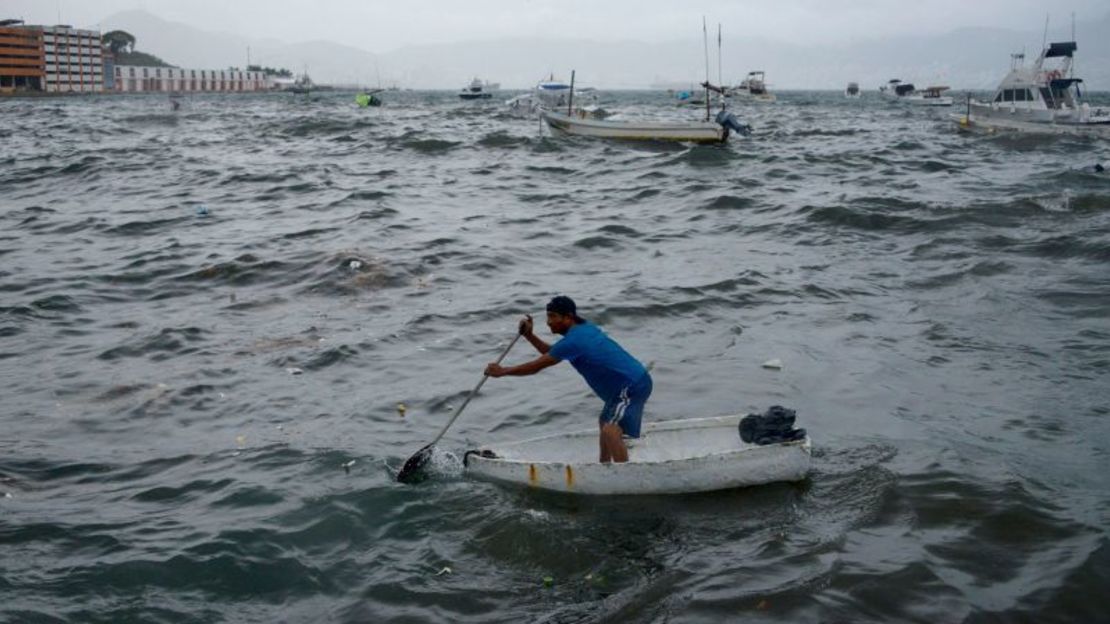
x: 445, y: 570
x: 240, y: 440
x: 355, y: 265
x: 347, y: 466
x: 8, y: 495
x: 401, y: 409
x: 548, y: 581
x: 775, y: 364
x: 202, y: 210
x: 294, y: 370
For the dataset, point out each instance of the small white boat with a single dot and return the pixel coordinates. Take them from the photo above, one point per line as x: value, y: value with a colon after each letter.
x: 694, y: 132
x: 477, y: 90
x: 895, y: 88
x: 753, y: 88
x: 672, y: 457
x: 930, y: 96
x: 1040, y: 99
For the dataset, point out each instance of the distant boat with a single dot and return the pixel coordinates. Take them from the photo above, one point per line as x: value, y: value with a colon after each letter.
x: 895, y: 88
x: 930, y: 96
x: 477, y: 90
x: 754, y: 88
x: 852, y: 91
x: 368, y: 98
x: 554, y: 94
x: 1039, y: 99
x: 907, y: 92
x: 303, y: 84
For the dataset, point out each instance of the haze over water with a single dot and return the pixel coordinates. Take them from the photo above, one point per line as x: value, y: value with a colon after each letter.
x: 205, y: 314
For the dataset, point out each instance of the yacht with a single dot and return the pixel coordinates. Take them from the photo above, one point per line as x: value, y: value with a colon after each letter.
x: 852, y: 90
x: 895, y: 88
x: 1044, y: 98
x: 478, y: 90
x: 754, y: 87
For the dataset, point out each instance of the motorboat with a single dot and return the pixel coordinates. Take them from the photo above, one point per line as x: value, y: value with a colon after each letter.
x: 554, y: 94
x: 930, y: 96
x: 302, y: 85
x: 852, y: 90
x: 1044, y: 98
x: 478, y: 90
x: 895, y: 88
x: 670, y: 457
x: 753, y: 88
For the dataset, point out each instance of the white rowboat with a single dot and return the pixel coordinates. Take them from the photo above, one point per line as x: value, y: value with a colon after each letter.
x: 696, y: 132
x: 672, y: 457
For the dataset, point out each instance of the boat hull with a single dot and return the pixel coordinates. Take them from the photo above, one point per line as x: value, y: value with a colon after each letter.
x: 674, y: 457
x: 991, y: 125
x: 637, y: 131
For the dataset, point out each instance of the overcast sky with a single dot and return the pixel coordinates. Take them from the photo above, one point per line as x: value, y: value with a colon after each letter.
x: 384, y: 25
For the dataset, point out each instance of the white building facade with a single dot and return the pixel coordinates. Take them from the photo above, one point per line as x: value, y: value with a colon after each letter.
x: 135, y: 79
x: 73, y: 59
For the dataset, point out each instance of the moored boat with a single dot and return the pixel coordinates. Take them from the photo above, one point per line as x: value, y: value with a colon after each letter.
x: 671, y: 457
x: 930, y: 96
x: 695, y: 132
x: 478, y: 90
x: 1044, y: 98
x: 754, y: 88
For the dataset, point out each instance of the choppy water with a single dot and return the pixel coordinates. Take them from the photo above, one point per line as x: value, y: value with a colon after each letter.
x: 941, y: 303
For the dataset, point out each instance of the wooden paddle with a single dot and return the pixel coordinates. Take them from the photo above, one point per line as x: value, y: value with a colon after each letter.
x: 413, y: 470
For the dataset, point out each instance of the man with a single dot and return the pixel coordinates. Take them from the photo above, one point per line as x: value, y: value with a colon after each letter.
x: 621, y: 381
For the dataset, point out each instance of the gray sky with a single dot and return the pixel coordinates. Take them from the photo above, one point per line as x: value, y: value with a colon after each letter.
x: 384, y: 25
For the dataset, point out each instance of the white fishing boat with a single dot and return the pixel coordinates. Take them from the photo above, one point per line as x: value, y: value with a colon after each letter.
x: 852, y: 90
x: 695, y: 132
x: 895, y: 88
x: 478, y: 90
x: 672, y: 457
x: 1044, y: 98
x: 753, y: 88
x: 930, y: 96
x: 552, y: 94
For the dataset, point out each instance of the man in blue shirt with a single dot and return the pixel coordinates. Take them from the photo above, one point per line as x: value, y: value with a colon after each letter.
x: 614, y: 375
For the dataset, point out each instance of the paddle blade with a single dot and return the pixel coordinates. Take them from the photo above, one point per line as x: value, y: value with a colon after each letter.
x: 413, y: 470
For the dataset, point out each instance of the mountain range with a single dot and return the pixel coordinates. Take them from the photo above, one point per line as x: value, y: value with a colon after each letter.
x: 973, y: 58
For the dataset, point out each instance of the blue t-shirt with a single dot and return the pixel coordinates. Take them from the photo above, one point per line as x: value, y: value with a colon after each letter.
x: 606, y: 366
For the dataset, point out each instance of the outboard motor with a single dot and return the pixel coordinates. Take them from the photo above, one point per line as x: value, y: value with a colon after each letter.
x: 730, y: 122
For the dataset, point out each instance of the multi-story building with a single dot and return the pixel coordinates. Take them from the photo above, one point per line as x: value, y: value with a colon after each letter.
x: 22, y: 63
x: 62, y: 59
x: 130, y: 78
x: 74, y: 60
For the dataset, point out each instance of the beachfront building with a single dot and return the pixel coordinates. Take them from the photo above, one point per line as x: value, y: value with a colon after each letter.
x: 22, y: 61
x: 136, y: 79
x: 74, y: 59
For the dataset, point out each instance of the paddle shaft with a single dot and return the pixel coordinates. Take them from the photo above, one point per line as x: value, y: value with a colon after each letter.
x: 473, y: 392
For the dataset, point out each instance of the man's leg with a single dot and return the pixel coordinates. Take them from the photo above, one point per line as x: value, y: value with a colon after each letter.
x: 612, y: 446
x: 606, y: 456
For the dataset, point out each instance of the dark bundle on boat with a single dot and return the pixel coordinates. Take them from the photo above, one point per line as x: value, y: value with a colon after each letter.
x: 771, y: 427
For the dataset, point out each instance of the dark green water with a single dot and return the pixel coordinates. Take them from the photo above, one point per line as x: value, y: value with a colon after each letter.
x: 941, y: 303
